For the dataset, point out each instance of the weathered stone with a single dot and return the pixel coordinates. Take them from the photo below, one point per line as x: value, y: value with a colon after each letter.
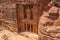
x: 48, y: 25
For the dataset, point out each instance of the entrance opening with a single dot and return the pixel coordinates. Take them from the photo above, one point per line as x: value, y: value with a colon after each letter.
x: 28, y: 27
x: 31, y: 28
x: 25, y: 26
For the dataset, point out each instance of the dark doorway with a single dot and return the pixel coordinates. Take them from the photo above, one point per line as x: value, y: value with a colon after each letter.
x: 31, y: 28
x: 28, y: 27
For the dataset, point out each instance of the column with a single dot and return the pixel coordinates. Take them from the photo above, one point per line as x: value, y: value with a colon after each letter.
x: 26, y: 27
x: 33, y: 28
x: 23, y: 27
x: 30, y: 27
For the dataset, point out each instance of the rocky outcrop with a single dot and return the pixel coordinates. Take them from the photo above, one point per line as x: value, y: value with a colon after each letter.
x: 49, y: 25
x: 8, y: 16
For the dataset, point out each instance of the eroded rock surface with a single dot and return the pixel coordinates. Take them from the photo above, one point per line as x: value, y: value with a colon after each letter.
x: 49, y: 28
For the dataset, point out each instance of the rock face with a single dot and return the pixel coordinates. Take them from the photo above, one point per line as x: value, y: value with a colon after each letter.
x: 8, y: 15
x: 49, y: 25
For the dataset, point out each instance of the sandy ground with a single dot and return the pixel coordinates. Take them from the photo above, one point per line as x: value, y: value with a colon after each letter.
x: 12, y: 36
x: 30, y: 35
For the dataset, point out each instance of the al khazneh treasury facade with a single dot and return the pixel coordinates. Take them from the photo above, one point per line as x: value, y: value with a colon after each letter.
x: 27, y: 17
